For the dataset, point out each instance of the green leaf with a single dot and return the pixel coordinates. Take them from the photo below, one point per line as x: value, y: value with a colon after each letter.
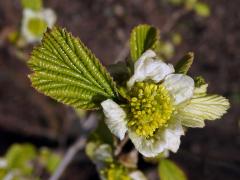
x: 49, y: 159
x: 199, y: 81
x: 143, y: 37
x: 66, y: 70
x: 185, y: 63
x: 35, y: 5
x: 168, y: 170
x: 20, y: 157
x: 202, y: 9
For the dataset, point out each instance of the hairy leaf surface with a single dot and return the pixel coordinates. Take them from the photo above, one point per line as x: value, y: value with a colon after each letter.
x: 66, y: 70
x: 185, y: 63
x: 143, y: 37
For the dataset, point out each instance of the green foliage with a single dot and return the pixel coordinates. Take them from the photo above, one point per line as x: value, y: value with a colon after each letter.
x: 143, y: 37
x: 168, y: 170
x: 23, y: 161
x: 49, y: 159
x: 66, y: 70
x: 35, y: 5
x: 199, y: 81
x: 185, y: 63
x: 202, y: 9
x: 20, y: 156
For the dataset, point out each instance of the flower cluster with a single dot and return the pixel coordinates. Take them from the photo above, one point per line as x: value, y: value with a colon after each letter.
x: 160, y: 104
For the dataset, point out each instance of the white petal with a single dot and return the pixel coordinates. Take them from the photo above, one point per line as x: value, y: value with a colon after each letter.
x: 165, y: 139
x: 27, y: 15
x: 172, y: 136
x: 103, y: 152
x: 3, y: 163
x: 180, y: 86
x: 149, y: 68
x: 115, y: 118
x: 50, y: 17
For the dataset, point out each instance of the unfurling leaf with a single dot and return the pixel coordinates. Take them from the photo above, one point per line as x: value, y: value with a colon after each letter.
x: 143, y: 37
x: 185, y: 63
x: 168, y: 170
x: 66, y: 70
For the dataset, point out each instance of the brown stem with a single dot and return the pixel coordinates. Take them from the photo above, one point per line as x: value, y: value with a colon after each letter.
x: 120, y: 146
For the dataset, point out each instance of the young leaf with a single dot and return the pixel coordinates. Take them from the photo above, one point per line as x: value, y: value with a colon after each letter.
x: 168, y: 170
x: 66, y: 70
x: 185, y: 63
x: 143, y: 37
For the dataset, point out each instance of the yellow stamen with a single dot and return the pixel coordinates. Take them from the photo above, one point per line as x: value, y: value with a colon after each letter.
x: 151, y: 108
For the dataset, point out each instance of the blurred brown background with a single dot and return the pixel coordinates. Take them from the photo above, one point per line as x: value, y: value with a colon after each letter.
x: 104, y: 26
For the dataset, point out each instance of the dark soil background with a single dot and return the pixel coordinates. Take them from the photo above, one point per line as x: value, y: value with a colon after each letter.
x: 211, y: 153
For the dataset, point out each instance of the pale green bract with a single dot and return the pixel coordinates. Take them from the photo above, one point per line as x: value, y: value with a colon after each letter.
x: 66, y: 70
x: 203, y: 107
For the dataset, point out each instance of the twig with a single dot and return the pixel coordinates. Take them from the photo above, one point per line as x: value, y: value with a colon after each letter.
x: 77, y: 146
x: 72, y: 151
x: 120, y: 146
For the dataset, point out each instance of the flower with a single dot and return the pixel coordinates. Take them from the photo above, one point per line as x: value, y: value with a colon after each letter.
x: 161, y: 103
x: 119, y: 172
x: 102, y: 156
x: 35, y: 23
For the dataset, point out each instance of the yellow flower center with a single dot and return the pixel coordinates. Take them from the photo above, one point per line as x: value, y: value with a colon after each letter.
x: 37, y: 26
x: 151, y: 108
x: 116, y: 172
